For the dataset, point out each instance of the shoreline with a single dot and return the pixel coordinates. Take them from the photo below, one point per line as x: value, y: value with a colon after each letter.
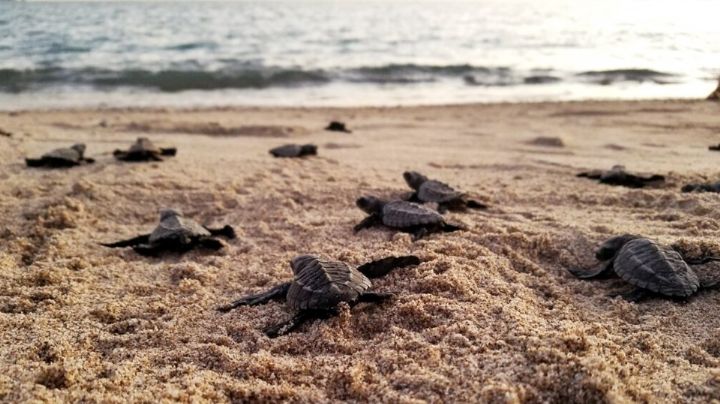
x: 251, y: 107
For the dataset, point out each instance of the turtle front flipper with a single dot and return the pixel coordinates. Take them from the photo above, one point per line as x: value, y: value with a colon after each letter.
x: 472, y: 204
x: 700, y: 261
x: 412, y: 197
x: 147, y: 250
x: 88, y: 160
x: 449, y: 227
x: 600, y: 269
x: 132, y: 242
x: 634, y: 295
x: 370, y: 221
x: 653, y: 179
x: 168, y: 151
x: 226, y: 231
x: 34, y: 162
x: 211, y: 243
x: 277, y: 293
x: 289, y: 325
x: 382, y: 267
x: 120, y: 155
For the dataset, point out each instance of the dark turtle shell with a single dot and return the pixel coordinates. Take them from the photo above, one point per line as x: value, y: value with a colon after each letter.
x: 294, y: 150
x: 649, y: 265
x: 436, y: 191
x: 321, y: 285
x: 402, y: 214
x: 174, y: 226
x: 144, y: 145
x: 72, y: 154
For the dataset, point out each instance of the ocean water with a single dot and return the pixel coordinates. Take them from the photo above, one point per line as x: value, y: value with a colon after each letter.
x: 354, y: 52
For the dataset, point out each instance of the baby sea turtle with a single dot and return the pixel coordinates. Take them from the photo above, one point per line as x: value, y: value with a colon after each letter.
x: 702, y: 187
x: 618, y: 176
x: 650, y: 267
x: 175, y: 233
x: 405, y: 216
x: 714, y: 147
x: 144, y: 150
x: 63, y: 157
x: 294, y: 150
x: 336, y: 126
x: 445, y: 196
x: 319, y: 286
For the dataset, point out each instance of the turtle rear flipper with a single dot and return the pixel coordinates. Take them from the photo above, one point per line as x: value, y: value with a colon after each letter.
x: 714, y: 148
x: 382, y: 267
x: 131, y: 242
x: 277, y: 293
x: 653, y: 179
x: 633, y: 295
x: 88, y: 160
x: 34, y: 162
x: 168, y: 151
x: 289, y: 325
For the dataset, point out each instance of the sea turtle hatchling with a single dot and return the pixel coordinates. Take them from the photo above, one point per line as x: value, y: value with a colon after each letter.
x: 405, y: 216
x: 319, y: 286
x: 63, y: 157
x: 447, y: 198
x: 617, y: 175
x: 144, y: 150
x: 175, y: 233
x: 294, y: 150
x: 337, y: 126
x: 650, y: 267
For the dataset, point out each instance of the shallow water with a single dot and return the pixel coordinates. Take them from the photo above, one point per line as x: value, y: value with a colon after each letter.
x: 349, y: 53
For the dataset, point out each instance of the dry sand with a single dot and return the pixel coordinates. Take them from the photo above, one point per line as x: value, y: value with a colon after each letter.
x: 491, y: 315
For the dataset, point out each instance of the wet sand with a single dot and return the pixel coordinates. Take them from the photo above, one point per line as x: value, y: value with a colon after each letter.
x: 491, y: 315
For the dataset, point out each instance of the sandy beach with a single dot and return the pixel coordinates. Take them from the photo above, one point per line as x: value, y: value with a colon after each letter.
x: 491, y: 315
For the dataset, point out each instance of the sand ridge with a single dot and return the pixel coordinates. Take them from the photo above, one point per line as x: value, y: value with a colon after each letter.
x: 491, y: 314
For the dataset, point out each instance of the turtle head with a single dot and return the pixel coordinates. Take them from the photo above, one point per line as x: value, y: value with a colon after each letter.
x: 308, y: 149
x: 300, y: 262
x: 370, y: 204
x: 79, y: 147
x: 609, y: 248
x: 414, y: 179
x: 168, y: 213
